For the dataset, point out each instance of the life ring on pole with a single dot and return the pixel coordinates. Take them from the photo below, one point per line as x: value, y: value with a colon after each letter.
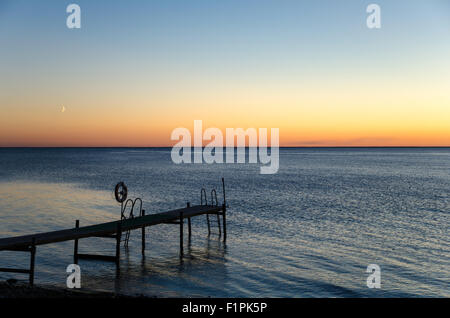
x: 121, y: 192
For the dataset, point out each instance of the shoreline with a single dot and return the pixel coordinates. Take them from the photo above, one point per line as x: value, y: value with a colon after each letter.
x: 12, y: 289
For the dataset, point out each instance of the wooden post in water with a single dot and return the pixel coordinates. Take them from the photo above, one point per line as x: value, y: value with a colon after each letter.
x: 75, y: 246
x: 181, y: 234
x: 118, y: 239
x: 189, y: 221
x: 224, y: 211
x: 143, y: 235
x: 33, y: 254
x: 218, y: 224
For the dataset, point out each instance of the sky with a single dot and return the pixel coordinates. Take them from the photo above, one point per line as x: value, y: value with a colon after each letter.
x: 137, y: 70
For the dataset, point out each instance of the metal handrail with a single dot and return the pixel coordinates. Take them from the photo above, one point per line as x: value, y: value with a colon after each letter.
x: 203, y: 191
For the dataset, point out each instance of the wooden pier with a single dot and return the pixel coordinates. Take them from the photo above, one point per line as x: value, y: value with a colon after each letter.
x: 113, y: 230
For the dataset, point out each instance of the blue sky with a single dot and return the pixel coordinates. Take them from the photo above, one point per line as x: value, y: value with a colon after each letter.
x: 212, y: 33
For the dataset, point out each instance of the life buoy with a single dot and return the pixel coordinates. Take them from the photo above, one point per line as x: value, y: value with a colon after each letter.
x: 121, y: 192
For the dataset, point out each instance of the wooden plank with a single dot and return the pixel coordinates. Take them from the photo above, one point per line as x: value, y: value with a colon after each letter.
x: 108, y: 228
x: 20, y: 249
x: 106, y: 258
x: 15, y: 270
x: 171, y: 222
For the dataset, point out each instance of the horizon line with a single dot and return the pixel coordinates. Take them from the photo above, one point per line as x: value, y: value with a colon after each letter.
x: 143, y: 147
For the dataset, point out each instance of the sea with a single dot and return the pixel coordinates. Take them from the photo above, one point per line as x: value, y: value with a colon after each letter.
x: 310, y: 230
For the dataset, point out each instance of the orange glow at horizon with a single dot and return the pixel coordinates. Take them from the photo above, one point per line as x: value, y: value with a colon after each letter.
x: 331, y: 114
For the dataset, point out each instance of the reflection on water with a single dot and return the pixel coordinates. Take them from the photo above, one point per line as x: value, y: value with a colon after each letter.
x: 36, y: 207
x: 171, y: 276
x: 308, y: 231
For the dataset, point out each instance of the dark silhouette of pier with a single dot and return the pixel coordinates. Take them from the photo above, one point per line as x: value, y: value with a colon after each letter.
x: 113, y: 230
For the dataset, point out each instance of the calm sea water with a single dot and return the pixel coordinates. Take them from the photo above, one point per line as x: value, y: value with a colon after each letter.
x: 309, y: 231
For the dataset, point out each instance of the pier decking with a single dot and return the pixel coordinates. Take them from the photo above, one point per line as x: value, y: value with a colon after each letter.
x: 28, y: 243
x: 103, y: 229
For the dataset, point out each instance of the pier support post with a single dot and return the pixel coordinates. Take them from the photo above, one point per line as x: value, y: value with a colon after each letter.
x: 32, y: 257
x: 218, y: 224
x: 75, y: 245
x: 181, y: 234
x: 189, y: 222
x: 224, y: 214
x: 118, y: 239
x: 224, y: 211
x: 143, y: 235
